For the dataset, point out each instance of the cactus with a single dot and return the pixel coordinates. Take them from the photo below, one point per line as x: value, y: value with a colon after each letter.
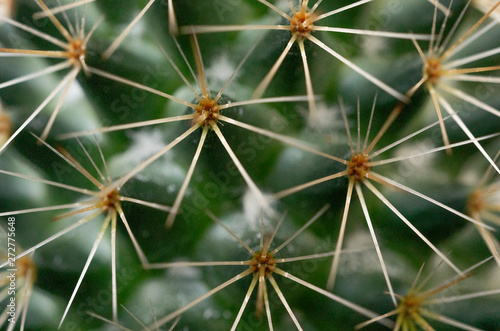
x: 154, y: 153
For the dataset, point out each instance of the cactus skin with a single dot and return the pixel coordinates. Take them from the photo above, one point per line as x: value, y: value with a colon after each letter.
x: 217, y: 186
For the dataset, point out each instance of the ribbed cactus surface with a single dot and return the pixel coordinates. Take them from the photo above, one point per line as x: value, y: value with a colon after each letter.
x: 249, y: 165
